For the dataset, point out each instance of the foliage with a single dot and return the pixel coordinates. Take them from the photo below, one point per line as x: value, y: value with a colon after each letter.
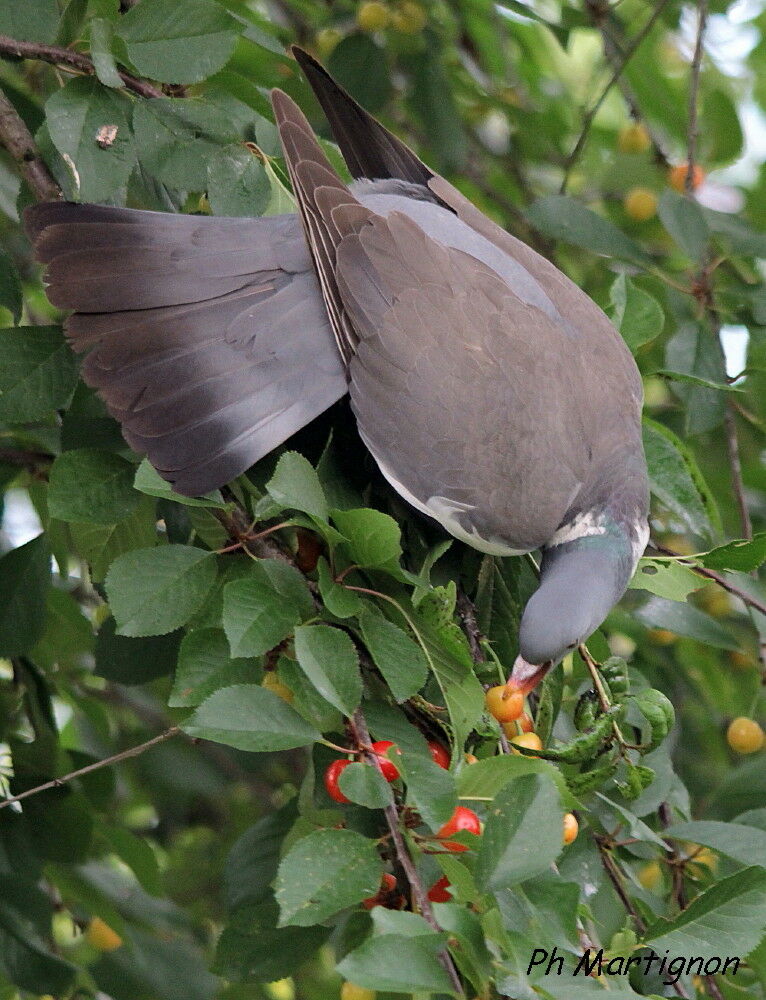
x: 248, y: 635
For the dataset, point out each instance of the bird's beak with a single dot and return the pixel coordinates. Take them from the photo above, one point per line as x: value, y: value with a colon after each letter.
x: 526, y: 676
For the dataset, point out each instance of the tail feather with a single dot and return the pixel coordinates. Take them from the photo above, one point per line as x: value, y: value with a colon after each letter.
x: 207, y: 338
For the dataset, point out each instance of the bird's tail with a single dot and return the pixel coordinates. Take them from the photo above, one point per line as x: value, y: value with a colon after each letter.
x: 208, y: 338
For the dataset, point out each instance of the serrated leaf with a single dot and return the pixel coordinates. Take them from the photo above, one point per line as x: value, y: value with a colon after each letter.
x: 101, y: 53
x: 727, y: 919
x: 398, y: 964
x: 746, y: 844
x: 249, y: 717
x: 430, y: 788
x: 565, y: 219
x: 93, y: 486
x: 154, y: 591
x: 260, y: 952
x: 150, y: 482
x: 328, y: 658
x: 374, y: 538
x: 395, y: 654
x: 263, y: 608
x: 637, y: 315
x: 75, y: 116
x: 38, y: 372
x: 204, y: 665
x: 666, y: 579
x: 24, y: 580
x: 484, y: 779
x: 323, y: 873
x: 684, y: 220
x: 178, y: 43
x: 100, y: 544
x: 296, y: 485
x: 31, y: 21
x: 237, y: 184
x: 129, y: 661
x: 743, y: 555
x: 524, y: 832
x: 365, y: 785
x: 683, y: 619
x: 339, y: 600
x: 252, y: 862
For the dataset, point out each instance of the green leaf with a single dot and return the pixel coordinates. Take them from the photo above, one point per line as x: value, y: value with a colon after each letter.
x: 666, y: 579
x: 38, y: 372
x: 31, y: 21
x: 433, y: 101
x: 359, y: 65
x: 263, y: 608
x: 676, y: 480
x: 137, y: 855
x: 339, y: 600
x: 323, y: 873
x: 149, y: 481
x: 252, y: 862
x: 430, y: 788
x: 296, y: 485
x: 482, y: 781
x: 396, y: 963
x: 249, y: 717
x: 281, y: 201
x: 524, y: 832
x: 24, y: 580
x: 565, y: 219
x: 684, y: 220
x: 365, y: 785
x: 328, y: 658
x: 685, y: 620
x: 101, y: 544
x: 693, y: 350
x: 153, y: 591
x: 743, y: 555
x: 177, y: 138
x: 134, y: 661
x: 374, y: 538
x: 737, y: 234
x: 178, y: 43
x: 257, y: 951
x: 722, y: 137
x: 10, y: 286
x: 237, y: 184
x: 746, y: 844
x: 91, y: 485
x: 727, y: 919
x: 637, y: 315
x: 204, y: 666
x: 395, y: 654
x: 74, y: 116
x: 101, y: 53
x: 467, y: 940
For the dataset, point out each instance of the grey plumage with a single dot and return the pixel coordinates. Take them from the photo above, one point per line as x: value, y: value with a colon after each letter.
x: 494, y: 395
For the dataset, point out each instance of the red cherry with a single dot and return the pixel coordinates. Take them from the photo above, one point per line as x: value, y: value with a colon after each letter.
x: 387, y: 886
x: 461, y: 819
x: 438, y: 891
x: 331, y: 778
x: 389, y: 769
x: 439, y: 754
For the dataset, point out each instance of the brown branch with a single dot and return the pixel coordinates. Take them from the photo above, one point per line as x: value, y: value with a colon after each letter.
x: 361, y: 735
x: 619, y: 69
x: 693, y: 128
x: 17, y: 139
x: 615, y: 877
x: 74, y: 60
x: 719, y: 578
x: 467, y: 614
x: 114, y: 759
x: 25, y: 458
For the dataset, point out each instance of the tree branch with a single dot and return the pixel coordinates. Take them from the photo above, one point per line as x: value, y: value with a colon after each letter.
x: 74, y: 60
x: 114, y: 759
x: 361, y: 735
x: 719, y: 578
x: 17, y: 139
x: 619, y: 69
x: 694, y: 83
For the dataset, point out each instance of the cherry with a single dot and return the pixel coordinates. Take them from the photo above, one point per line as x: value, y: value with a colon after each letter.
x: 525, y: 723
x: 331, y: 778
x: 530, y: 741
x: 571, y: 827
x: 438, y: 891
x: 745, y: 735
x: 439, y: 754
x: 383, y: 896
x: 388, y: 768
x: 503, y: 703
x: 461, y: 819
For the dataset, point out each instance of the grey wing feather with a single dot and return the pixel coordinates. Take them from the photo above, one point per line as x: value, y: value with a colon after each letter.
x: 208, y: 338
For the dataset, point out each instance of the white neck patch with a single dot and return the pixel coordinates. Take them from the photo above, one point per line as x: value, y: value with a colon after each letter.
x: 593, y: 522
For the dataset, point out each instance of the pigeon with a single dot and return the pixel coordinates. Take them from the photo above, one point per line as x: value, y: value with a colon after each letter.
x: 494, y: 395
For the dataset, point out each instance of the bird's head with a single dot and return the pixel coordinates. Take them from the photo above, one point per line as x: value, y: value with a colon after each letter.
x: 580, y: 582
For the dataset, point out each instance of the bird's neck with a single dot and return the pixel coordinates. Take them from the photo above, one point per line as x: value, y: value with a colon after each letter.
x: 600, y: 530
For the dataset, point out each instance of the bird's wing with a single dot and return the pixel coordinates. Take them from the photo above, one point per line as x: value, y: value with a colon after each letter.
x: 207, y: 337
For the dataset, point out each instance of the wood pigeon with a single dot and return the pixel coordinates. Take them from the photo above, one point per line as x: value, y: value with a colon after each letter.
x: 494, y: 395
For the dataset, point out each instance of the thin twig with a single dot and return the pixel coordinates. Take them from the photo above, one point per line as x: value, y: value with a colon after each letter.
x: 27, y: 459
x: 694, y: 83
x: 68, y: 57
x: 114, y: 759
x: 721, y: 580
x: 361, y: 734
x: 17, y: 139
x: 619, y: 69
x: 467, y: 614
x: 615, y: 878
